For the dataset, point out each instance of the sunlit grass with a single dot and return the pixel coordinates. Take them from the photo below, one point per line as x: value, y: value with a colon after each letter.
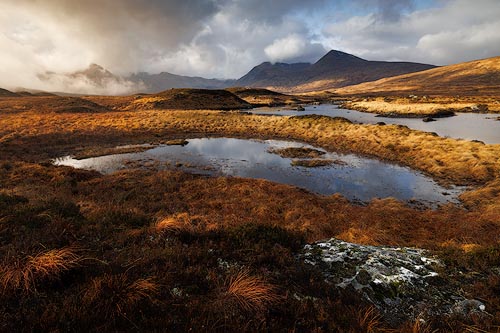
x: 26, y: 273
x: 252, y: 293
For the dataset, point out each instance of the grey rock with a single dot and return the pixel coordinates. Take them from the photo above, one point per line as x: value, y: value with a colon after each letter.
x: 401, y: 282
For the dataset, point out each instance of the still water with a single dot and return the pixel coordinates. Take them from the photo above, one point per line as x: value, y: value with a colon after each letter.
x: 357, y: 178
x: 467, y: 126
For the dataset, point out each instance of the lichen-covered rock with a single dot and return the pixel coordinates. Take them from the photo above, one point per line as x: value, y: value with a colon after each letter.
x: 401, y: 282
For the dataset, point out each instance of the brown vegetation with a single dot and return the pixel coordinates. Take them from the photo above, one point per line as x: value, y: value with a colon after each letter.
x: 297, y: 152
x: 26, y: 273
x: 313, y: 163
x: 473, y: 78
x: 264, y: 97
x: 252, y: 293
x: 165, y: 242
x: 189, y: 99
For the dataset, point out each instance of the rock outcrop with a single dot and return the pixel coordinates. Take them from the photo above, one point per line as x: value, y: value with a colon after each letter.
x: 403, y: 283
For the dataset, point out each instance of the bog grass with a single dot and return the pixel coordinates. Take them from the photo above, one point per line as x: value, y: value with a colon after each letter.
x: 252, y: 293
x: 26, y: 274
x: 170, y: 248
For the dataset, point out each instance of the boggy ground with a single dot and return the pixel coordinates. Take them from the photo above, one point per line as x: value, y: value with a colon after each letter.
x: 166, y: 251
x: 422, y: 106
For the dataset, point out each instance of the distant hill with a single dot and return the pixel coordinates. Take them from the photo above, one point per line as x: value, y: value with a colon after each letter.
x: 336, y: 69
x: 190, y: 99
x: 479, y: 77
x: 6, y: 93
x: 158, y: 82
x: 93, y: 80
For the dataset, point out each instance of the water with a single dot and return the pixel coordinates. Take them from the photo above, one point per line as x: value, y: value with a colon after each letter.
x: 357, y: 178
x: 467, y: 126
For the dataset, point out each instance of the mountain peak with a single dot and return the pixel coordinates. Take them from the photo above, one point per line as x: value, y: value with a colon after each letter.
x: 335, y: 57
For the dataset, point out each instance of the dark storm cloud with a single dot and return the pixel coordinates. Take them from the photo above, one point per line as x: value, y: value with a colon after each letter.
x: 219, y: 38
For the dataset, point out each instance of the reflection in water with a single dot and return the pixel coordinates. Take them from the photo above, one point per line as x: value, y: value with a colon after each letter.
x: 468, y: 126
x: 359, y: 179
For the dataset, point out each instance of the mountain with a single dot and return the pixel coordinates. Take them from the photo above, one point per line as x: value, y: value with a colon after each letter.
x: 336, y: 69
x: 479, y: 77
x: 6, y: 93
x: 93, y: 80
x: 159, y: 82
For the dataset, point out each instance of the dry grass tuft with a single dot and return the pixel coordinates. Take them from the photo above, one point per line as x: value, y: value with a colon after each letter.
x: 116, y: 295
x: 48, y: 265
x: 174, y: 224
x: 369, y: 320
x: 252, y: 293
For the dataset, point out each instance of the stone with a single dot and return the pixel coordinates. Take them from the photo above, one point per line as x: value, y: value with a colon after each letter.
x: 401, y: 282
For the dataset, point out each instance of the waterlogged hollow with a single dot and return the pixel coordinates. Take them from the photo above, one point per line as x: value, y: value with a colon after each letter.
x: 356, y: 178
x: 467, y: 126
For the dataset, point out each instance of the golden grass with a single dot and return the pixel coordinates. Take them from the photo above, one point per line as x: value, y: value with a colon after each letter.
x: 479, y: 77
x: 448, y: 160
x: 174, y: 224
x: 405, y: 107
x: 252, y: 293
x: 48, y: 265
x: 457, y: 160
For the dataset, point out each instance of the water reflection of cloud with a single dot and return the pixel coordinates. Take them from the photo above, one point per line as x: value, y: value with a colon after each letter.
x: 361, y: 179
x: 468, y: 126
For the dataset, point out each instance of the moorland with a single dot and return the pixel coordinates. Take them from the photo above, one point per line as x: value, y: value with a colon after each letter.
x: 168, y: 250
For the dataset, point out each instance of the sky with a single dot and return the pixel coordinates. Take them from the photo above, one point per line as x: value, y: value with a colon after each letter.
x: 226, y: 38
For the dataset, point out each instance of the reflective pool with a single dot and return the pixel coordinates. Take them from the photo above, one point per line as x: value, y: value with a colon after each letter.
x: 467, y: 126
x: 357, y: 178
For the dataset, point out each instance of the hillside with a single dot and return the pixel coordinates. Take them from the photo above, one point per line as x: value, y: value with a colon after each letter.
x: 50, y: 104
x: 264, y: 97
x: 162, y: 81
x: 6, y: 93
x: 190, y: 99
x: 479, y: 77
x: 335, y: 69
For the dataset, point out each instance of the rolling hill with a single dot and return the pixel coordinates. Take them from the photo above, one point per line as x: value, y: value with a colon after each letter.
x: 264, y: 97
x: 190, y: 99
x: 479, y: 77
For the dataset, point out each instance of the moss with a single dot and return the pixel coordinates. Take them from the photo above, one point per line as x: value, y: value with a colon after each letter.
x: 312, y: 163
x: 251, y: 235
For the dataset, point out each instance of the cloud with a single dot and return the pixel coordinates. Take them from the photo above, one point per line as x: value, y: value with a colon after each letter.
x: 294, y: 48
x: 458, y: 31
x: 226, y: 38
x: 214, y: 38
